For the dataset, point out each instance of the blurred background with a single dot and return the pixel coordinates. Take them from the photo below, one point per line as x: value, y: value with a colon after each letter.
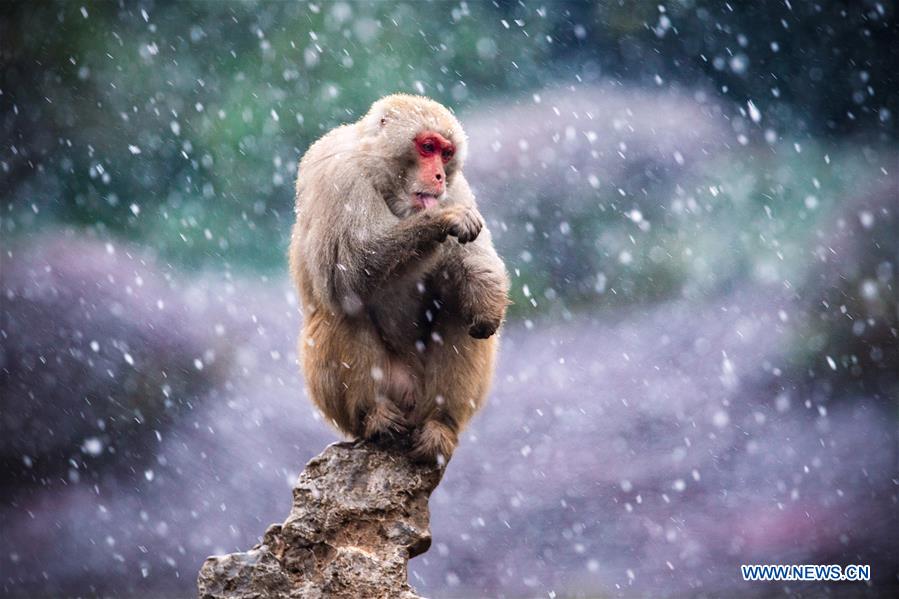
x: 698, y: 203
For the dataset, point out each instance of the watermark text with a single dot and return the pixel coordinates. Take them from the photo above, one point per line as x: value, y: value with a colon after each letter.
x: 806, y: 572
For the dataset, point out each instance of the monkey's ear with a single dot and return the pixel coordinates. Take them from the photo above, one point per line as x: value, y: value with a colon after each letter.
x: 374, y: 123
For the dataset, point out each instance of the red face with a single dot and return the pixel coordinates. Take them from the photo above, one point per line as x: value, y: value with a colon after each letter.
x: 434, y: 151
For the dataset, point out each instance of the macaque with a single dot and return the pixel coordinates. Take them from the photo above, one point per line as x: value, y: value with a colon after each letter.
x: 402, y: 291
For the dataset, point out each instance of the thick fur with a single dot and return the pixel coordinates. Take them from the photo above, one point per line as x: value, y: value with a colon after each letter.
x: 400, y: 306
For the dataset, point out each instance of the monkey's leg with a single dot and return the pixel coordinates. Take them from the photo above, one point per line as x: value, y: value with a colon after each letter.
x: 396, y: 389
x: 403, y: 384
x: 477, y: 278
x: 348, y: 374
x: 457, y: 377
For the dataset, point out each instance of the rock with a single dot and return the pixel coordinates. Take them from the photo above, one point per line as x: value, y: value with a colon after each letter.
x: 561, y: 152
x: 98, y: 352
x: 360, y: 512
x: 850, y: 297
x: 559, y: 173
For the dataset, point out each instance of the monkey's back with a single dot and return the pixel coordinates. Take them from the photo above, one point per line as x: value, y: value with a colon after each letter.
x: 336, y: 349
x: 311, y: 239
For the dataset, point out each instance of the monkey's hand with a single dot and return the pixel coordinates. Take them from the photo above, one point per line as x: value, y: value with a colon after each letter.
x: 462, y: 222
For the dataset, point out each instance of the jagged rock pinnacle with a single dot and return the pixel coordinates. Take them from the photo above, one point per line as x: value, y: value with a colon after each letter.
x: 360, y: 512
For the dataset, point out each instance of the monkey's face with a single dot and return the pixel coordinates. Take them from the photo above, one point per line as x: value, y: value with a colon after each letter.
x: 427, y: 182
x: 425, y: 163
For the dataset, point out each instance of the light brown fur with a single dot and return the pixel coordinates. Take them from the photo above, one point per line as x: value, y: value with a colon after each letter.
x: 400, y: 305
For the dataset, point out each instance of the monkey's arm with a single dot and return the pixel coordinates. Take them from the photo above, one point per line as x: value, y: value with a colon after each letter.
x: 475, y: 273
x: 365, y: 263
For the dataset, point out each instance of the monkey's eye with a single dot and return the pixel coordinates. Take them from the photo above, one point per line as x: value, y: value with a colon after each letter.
x: 428, y: 147
x: 448, y: 154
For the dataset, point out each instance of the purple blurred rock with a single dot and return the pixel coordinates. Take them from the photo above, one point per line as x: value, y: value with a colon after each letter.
x: 568, y: 177
x: 610, y: 448
x: 575, y: 142
x: 95, y: 353
x: 851, y: 296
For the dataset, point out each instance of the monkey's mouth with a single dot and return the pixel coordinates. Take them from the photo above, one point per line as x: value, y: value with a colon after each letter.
x: 423, y: 200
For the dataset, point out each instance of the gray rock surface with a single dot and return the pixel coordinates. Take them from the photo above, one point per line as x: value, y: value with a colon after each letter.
x: 360, y: 512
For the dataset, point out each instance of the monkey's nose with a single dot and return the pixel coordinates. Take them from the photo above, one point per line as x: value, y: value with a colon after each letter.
x: 438, y: 176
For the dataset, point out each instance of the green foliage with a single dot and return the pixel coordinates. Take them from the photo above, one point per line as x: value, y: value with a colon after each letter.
x: 180, y: 125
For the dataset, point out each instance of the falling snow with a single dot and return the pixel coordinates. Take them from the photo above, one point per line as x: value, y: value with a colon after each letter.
x: 696, y: 203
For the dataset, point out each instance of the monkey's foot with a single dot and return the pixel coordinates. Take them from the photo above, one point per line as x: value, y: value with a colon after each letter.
x: 434, y: 442
x: 384, y: 419
x: 483, y: 328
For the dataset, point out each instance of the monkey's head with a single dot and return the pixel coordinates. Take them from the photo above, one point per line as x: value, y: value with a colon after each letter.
x: 414, y: 147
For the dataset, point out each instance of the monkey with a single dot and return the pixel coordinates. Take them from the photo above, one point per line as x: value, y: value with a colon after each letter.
x: 401, y: 290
